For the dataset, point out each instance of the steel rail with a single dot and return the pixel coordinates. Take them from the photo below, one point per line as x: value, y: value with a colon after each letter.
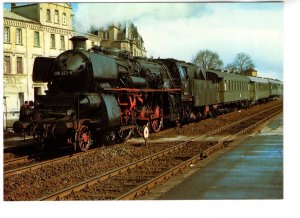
x: 22, y: 159
x: 79, y: 186
x: 45, y: 163
x: 16, y: 160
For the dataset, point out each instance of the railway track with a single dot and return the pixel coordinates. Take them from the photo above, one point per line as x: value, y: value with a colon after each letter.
x: 37, y: 165
x: 135, y: 179
x: 30, y: 167
x: 10, y: 171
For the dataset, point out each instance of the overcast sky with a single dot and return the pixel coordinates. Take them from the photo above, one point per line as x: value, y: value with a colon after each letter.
x: 179, y: 30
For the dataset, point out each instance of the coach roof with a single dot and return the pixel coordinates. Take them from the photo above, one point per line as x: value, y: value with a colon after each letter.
x: 229, y: 76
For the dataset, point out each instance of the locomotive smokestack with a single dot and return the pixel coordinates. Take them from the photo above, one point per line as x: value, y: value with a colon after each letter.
x: 79, y: 42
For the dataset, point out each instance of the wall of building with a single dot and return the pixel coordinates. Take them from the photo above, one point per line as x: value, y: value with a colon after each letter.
x: 114, y: 38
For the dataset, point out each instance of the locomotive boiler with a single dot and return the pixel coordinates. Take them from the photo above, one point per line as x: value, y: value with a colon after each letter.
x: 100, y: 94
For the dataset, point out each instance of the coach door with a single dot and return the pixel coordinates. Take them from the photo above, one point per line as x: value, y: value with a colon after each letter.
x: 185, y: 83
x: 251, y: 89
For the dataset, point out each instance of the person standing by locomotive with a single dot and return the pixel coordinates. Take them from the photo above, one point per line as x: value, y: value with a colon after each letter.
x: 23, y: 109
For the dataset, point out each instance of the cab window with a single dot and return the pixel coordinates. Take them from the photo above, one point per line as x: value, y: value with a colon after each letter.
x: 182, y: 72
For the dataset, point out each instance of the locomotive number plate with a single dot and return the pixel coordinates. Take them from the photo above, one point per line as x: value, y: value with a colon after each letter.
x: 63, y: 73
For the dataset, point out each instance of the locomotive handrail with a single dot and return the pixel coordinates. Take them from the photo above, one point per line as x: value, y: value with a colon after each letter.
x: 143, y: 90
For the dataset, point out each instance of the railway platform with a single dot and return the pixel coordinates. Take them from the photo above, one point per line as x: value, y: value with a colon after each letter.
x: 11, y: 140
x: 252, y: 169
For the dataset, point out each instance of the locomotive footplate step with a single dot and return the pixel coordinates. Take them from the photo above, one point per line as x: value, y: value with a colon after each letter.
x: 252, y: 169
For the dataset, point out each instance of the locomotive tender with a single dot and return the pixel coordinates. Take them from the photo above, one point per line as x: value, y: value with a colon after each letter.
x: 104, y: 94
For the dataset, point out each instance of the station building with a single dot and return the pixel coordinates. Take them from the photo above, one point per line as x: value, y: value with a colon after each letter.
x: 249, y: 72
x: 43, y: 30
x: 124, y: 37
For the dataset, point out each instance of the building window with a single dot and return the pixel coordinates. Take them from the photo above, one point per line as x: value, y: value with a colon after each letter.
x: 6, y: 34
x: 56, y: 18
x: 62, y: 42
x: 19, y: 36
x: 64, y: 19
x: 36, y: 39
x: 6, y: 65
x: 105, y: 35
x: 19, y: 65
x: 52, y: 41
x: 48, y: 15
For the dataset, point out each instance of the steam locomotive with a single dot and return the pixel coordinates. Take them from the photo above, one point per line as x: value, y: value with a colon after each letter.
x: 103, y: 94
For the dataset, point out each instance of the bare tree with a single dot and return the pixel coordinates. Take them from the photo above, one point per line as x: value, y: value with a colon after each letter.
x: 231, y: 68
x: 243, y: 62
x: 208, y: 60
x: 93, y: 30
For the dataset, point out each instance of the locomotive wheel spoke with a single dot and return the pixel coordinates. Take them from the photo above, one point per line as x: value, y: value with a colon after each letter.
x: 139, y: 130
x: 157, y: 119
x: 125, y: 134
x: 84, y: 139
x: 156, y: 124
x: 110, y: 138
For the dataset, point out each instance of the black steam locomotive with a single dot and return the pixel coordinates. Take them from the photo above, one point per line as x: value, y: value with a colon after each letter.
x: 105, y: 94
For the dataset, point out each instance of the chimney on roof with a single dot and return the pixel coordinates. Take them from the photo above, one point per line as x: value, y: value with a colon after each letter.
x: 13, y: 5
